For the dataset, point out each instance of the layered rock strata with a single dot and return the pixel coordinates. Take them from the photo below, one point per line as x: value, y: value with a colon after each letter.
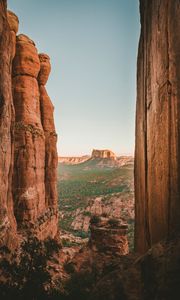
x: 34, y: 180
x: 157, y: 154
x: 28, y: 196
x: 47, y: 110
x: 109, y: 236
x: 103, y: 154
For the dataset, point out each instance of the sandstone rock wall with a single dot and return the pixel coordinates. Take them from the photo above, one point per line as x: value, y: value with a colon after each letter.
x: 35, y: 164
x: 47, y: 109
x: 29, y: 159
x: 28, y: 197
x: 7, y: 220
x: 157, y: 153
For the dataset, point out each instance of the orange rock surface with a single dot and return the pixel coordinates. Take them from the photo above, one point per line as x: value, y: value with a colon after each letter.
x: 45, y: 68
x: 7, y: 219
x: 26, y: 61
x: 157, y: 154
x: 51, y: 158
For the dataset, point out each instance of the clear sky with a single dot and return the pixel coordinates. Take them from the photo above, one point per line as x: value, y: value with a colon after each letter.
x: 93, y: 49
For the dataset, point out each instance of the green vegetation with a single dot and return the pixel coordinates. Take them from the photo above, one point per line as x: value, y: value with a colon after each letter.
x: 26, y: 274
x: 80, y: 183
x: 95, y: 220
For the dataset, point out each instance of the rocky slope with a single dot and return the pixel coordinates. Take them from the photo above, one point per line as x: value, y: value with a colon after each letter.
x: 73, y: 160
x: 96, y: 187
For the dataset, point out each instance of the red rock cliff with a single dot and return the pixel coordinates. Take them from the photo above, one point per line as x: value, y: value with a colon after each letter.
x: 157, y: 153
x: 7, y: 220
x: 28, y: 165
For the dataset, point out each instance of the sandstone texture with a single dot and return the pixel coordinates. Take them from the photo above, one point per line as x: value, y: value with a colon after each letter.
x: 157, y: 153
x: 73, y: 160
x: 108, y: 235
x: 26, y: 61
x: 103, y: 154
x: 34, y: 180
x: 45, y: 68
x: 51, y: 157
x: 7, y: 219
x: 117, y: 206
x: 13, y: 21
x: 28, y: 197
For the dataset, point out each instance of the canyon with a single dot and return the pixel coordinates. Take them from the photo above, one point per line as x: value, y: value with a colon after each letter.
x: 98, y: 186
x: 102, y: 268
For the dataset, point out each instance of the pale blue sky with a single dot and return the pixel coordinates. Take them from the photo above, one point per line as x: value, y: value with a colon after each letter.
x: 93, y: 49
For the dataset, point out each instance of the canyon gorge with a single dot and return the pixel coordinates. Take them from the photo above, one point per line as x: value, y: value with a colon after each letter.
x: 33, y: 262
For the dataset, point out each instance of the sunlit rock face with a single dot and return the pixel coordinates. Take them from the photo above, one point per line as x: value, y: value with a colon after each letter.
x: 103, y: 154
x: 13, y: 22
x: 34, y: 180
x: 28, y: 196
x: 28, y: 179
x: 47, y: 110
x: 45, y: 68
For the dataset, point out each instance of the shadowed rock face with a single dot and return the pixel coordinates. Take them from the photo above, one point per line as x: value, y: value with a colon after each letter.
x: 157, y: 154
x: 109, y: 236
x: 7, y: 220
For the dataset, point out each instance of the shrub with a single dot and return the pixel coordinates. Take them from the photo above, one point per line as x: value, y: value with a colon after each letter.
x: 26, y: 274
x: 95, y: 219
x: 113, y: 222
x: 105, y: 215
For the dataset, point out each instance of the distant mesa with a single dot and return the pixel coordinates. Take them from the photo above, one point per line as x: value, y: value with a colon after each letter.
x: 73, y: 160
x: 103, y: 154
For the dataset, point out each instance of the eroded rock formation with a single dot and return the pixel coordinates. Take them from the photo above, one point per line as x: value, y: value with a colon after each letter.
x: 157, y: 154
x: 109, y: 236
x: 34, y: 183
x: 28, y: 197
x: 103, y: 154
x: 47, y: 110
